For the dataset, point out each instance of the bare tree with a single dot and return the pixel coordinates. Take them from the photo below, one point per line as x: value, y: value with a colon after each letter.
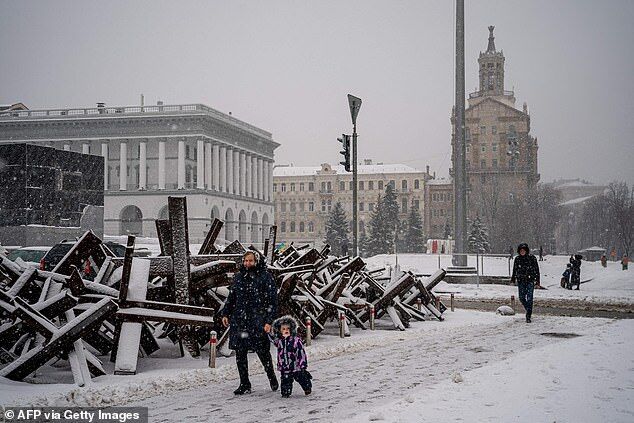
x: 620, y: 203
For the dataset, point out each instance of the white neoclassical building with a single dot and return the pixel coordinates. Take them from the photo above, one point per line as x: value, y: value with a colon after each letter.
x: 223, y: 166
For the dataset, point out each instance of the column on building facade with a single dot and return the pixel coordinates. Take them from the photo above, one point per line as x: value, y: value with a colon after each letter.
x: 161, y: 164
x: 123, y: 166
x: 254, y: 169
x: 266, y: 180
x: 208, y: 165
x: 243, y: 174
x: 249, y: 175
x: 200, y: 164
x: 229, y: 170
x: 143, y: 164
x: 260, y: 179
x: 215, y: 183
x: 269, y: 181
x: 222, y: 169
x: 85, y: 148
x: 104, y: 154
x: 181, y: 164
x: 236, y: 172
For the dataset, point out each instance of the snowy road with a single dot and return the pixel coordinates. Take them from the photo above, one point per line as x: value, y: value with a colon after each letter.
x: 351, y: 383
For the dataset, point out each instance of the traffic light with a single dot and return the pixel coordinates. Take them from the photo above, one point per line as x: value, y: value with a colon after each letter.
x: 345, y: 140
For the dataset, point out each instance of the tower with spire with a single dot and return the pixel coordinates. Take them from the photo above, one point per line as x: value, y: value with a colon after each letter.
x: 501, y: 153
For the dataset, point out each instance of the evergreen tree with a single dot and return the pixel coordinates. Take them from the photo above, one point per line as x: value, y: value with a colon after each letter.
x: 378, y: 241
x: 478, y: 237
x: 337, y: 231
x: 414, y: 238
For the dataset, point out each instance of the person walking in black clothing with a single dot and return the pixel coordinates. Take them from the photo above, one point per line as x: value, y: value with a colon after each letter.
x: 575, y: 274
x: 526, y: 275
x: 249, y: 312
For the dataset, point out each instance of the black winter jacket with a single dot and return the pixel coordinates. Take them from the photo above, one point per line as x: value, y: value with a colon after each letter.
x: 252, y: 303
x: 525, y: 267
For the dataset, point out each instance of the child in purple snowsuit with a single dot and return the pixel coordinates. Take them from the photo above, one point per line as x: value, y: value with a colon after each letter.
x: 291, y: 356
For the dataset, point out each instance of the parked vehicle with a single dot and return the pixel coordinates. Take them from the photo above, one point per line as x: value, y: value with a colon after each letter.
x: 30, y: 255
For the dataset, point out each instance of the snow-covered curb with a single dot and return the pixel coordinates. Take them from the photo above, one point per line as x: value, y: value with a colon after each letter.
x: 140, y: 387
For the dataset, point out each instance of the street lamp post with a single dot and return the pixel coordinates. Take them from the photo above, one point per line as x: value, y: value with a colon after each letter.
x: 355, y: 105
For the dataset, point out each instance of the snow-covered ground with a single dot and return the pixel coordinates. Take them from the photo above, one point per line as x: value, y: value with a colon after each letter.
x: 474, y: 366
x: 609, y: 285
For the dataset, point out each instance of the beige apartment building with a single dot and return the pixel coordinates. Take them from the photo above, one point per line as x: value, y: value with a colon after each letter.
x: 304, y: 196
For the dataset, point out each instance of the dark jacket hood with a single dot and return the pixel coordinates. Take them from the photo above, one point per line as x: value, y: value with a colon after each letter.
x: 523, y: 246
x: 260, y: 261
x: 284, y: 320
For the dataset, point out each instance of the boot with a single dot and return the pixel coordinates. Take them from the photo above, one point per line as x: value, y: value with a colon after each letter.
x: 273, y: 381
x: 242, y: 389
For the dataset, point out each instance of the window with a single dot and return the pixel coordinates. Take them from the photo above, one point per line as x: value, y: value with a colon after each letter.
x: 404, y: 205
x: 311, y: 206
x: 342, y: 186
x: 483, y: 130
x: 442, y: 213
x: 323, y: 187
x: 361, y: 185
x: 301, y: 226
x: 329, y: 204
x: 311, y: 227
x: 370, y: 206
x: 494, y: 147
x: 392, y: 184
x: 323, y: 205
x: 274, y: 187
x: 282, y: 207
x: 468, y: 148
x: 381, y: 185
x: 416, y: 184
x: 293, y: 207
x: 187, y: 151
x: 416, y: 204
x: 370, y: 185
x: 494, y: 130
x: 467, y: 134
x: 404, y: 184
x: 292, y: 186
x: 283, y: 187
x: 311, y: 186
x: 329, y: 185
x: 301, y: 207
x: 483, y: 164
x: 483, y: 148
x: 283, y: 226
x: 301, y: 186
x: 495, y: 163
x: 351, y: 186
x: 292, y: 226
x: 361, y: 207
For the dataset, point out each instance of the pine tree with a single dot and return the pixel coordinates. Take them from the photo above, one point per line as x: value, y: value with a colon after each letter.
x: 415, y: 239
x: 478, y: 237
x: 337, y: 231
x: 377, y: 241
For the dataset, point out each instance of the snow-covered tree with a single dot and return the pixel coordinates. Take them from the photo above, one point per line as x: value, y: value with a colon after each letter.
x: 337, y: 231
x: 379, y: 240
x: 478, y: 237
x: 414, y: 237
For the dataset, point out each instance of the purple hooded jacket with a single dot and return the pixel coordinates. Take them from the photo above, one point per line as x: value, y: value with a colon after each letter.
x: 291, y: 356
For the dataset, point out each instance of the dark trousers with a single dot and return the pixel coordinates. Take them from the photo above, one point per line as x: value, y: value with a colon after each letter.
x: 526, y: 296
x: 243, y: 364
x: 302, y: 377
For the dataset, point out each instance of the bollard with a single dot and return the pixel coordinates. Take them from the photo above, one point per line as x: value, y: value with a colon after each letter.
x: 452, y: 302
x: 309, y: 331
x: 512, y: 301
x: 212, y: 349
x: 419, y: 304
x: 342, y: 317
x: 372, y: 316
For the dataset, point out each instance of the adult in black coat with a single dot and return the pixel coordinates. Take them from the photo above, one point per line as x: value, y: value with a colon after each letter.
x: 526, y: 275
x: 575, y: 275
x: 249, y: 312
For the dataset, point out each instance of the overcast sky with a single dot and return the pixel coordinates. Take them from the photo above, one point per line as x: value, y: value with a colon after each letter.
x: 287, y: 66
